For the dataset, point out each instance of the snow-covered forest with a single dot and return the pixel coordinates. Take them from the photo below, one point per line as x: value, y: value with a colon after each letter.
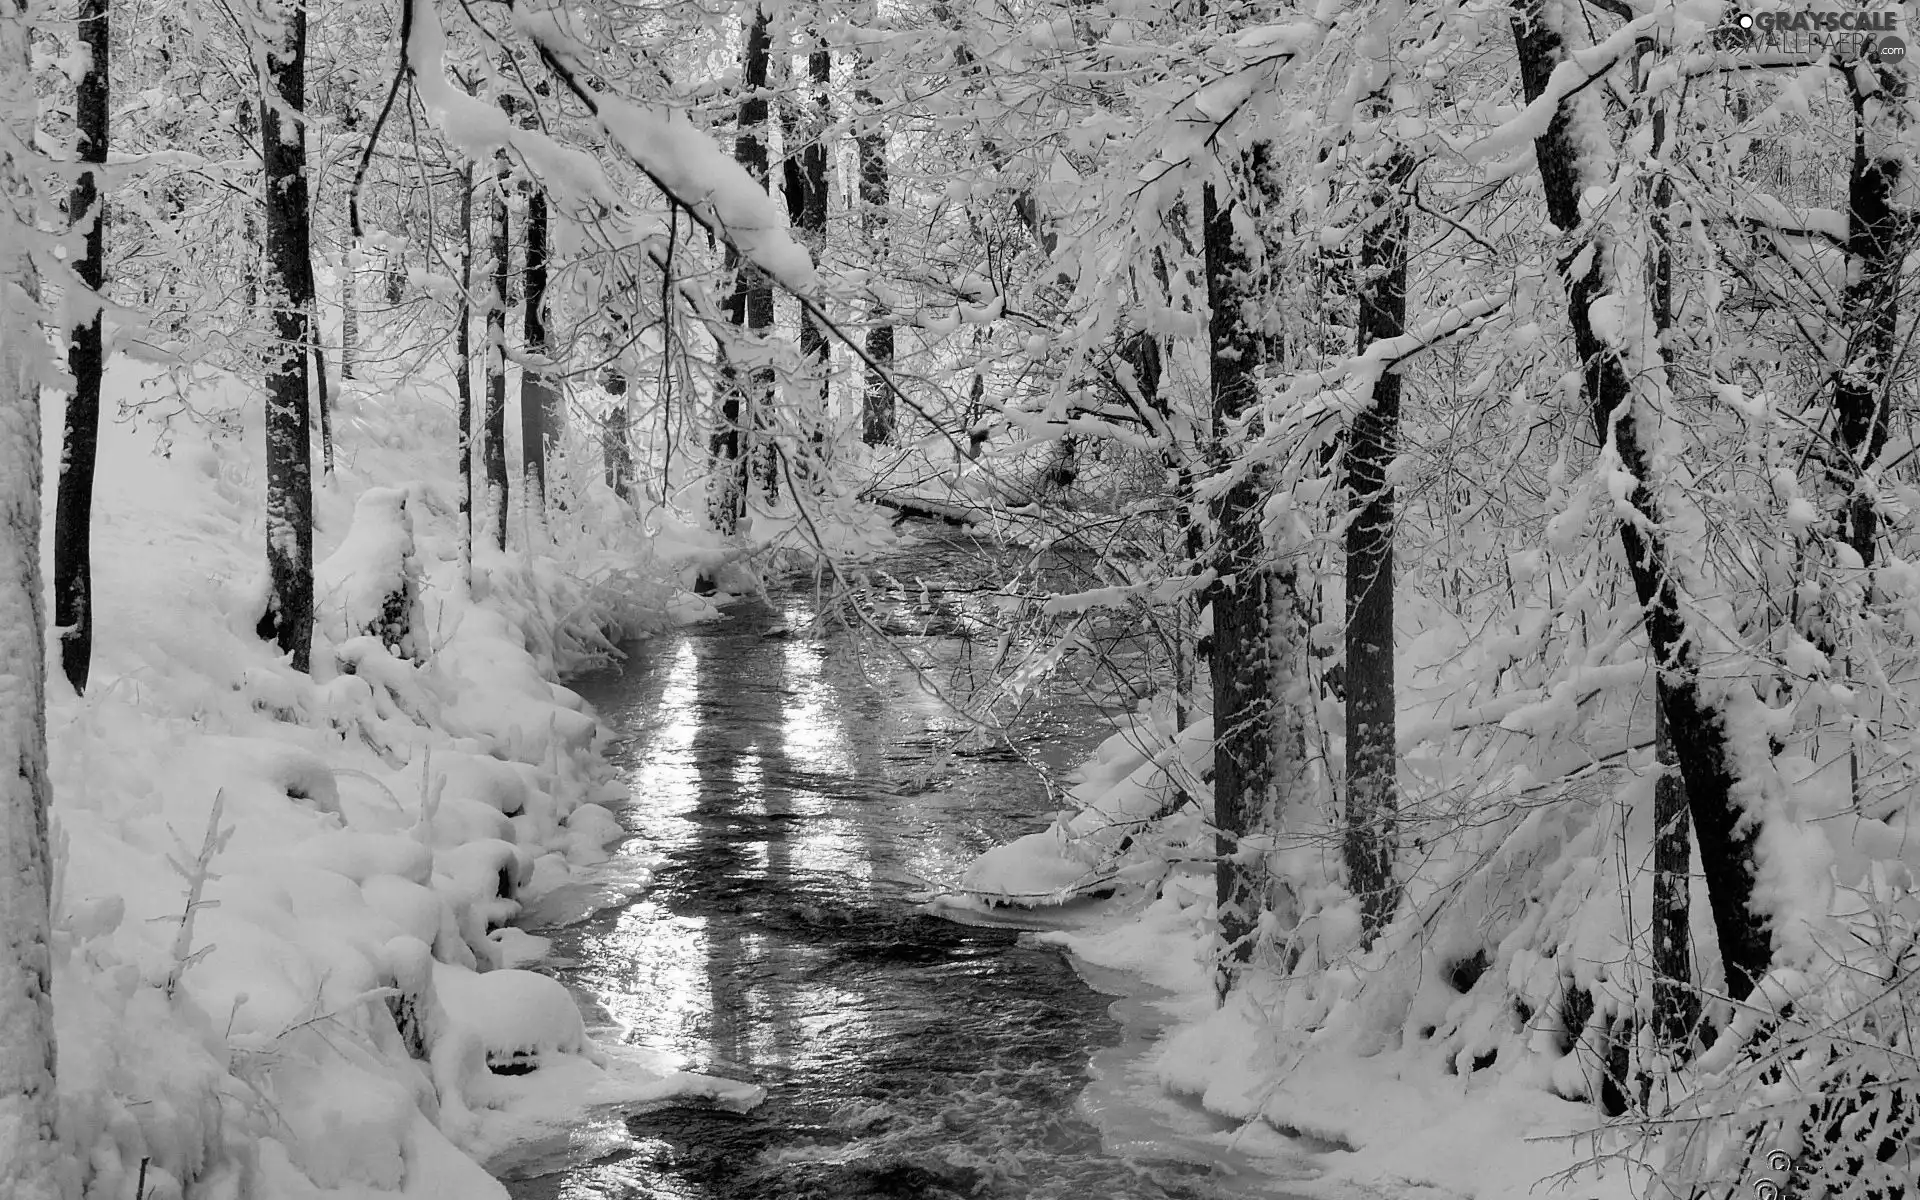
x: 1481, y: 431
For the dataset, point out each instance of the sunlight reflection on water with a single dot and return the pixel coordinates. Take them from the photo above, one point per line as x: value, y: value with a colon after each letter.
x: 791, y: 794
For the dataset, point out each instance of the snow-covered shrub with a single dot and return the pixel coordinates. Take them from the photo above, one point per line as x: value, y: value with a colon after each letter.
x: 371, y: 582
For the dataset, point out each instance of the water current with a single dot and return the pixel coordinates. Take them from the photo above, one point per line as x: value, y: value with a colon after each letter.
x: 795, y: 794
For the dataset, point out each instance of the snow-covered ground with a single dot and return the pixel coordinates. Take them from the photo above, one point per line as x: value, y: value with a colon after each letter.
x: 281, y: 963
x: 1463, y: 1055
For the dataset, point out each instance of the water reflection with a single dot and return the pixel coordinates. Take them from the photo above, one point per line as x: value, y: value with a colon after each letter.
x: 791, y: 793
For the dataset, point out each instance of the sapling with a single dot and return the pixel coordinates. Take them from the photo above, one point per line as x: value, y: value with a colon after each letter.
x: 197, y: 873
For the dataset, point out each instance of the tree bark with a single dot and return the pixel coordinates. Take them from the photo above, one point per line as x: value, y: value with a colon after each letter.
x: 320, y: 394
x: 749, y: 306
x: 283, y: 141
x: 806, y: 189
x: 349, y: 309
x: 1371, y: 751
x: 1676, y: 1002
x: 876, y: 408
x: 463, y: 370
x: 31, y: 1165
x: 1700, y: 738
x: 1241, y: 597
x: 538, y: 407
x: 86, y: 359
x: 1876, y: 246
x: 494, y: 438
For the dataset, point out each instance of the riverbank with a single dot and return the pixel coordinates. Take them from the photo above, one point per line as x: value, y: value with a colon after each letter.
x: 284, y: 964
x: 1315, y: 1058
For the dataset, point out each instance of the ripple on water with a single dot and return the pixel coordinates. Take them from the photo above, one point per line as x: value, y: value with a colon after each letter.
x: 788, y: 808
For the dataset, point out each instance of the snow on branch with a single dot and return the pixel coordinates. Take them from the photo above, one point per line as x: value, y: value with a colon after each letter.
x: 1578, y: 71
x: 684, y: 162
x: 477, y: 128
x: 1363, y: 370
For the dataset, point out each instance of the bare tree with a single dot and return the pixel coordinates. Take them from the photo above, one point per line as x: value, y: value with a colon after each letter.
x: 86, y: 359
x: 283, y: 141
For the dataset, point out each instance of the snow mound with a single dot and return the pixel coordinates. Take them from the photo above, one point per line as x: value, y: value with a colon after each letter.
x: 520, y: 1018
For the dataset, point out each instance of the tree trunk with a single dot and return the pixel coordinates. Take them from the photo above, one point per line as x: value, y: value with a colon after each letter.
x: 1699, y: 732
x: 538, y: 407
x: 806, y: 188
x: 1676, y: 1003
x: 749, y: 306
x: 876, y: 409
x: 86, y: 359
x: 349, y: 309
x: 320, y: 394
x: 1241, y: 598
x: 31, y: 1165
x: 243, y: 120
x: 1372, y: 753
x: 494, y: 439
x: 1876, y: 245
x: 463, y: 370
x: 283, y: 142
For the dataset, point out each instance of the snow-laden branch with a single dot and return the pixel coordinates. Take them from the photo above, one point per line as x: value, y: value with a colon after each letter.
x: 1363, y: 370
x: 685, y: 164
x: 1580, y: 69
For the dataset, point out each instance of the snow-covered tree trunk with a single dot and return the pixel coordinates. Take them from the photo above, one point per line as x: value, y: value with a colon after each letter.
x: 1878, y: 236
x: 745, y: 395
x: 493, y: 440
x: 30, y: 1164
x: 1241, y: 597
x: 876, y: 408
x: 539, y: 399
x: 1676, y: 1001
x: 86, y: 359
x: 283, y: 143
x: 349, y: 309
x: 1372, y: 753
x: 806, y: 190
x: 463, y: 369
x: 1700, y: 737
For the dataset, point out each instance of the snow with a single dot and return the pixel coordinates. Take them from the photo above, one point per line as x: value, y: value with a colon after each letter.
x: 281, y: 947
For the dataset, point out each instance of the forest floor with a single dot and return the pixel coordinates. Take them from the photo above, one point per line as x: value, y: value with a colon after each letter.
x: 272, y: 889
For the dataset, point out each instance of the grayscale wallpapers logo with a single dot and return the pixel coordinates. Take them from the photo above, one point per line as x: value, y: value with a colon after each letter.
x: 1871, y: 34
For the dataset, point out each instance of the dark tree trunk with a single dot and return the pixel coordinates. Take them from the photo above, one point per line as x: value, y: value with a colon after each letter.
x: 320, y: 394
x: 749, y: 306
x: 463, y: 370
x: 1676, y: 1003
x: 806, y: 189
x: 1372, y: 758
x: 283, y: 141
x: 245, y: 115
x: 1876, y: 245
x: 538, y: 407
x: 494, y: 438
x: 1242, y: 659
x: 86, y: 358
x: 1699, y: 732
x: 876, y: 409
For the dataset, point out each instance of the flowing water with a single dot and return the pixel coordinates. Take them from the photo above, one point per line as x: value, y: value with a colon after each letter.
x: 793, y: 793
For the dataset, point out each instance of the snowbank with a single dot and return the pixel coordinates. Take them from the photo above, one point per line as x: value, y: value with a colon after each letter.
x: 1483, y: 1045
x: 281, y: 905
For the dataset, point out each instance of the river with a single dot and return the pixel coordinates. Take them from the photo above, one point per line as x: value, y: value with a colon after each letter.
x: 795, y: 795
